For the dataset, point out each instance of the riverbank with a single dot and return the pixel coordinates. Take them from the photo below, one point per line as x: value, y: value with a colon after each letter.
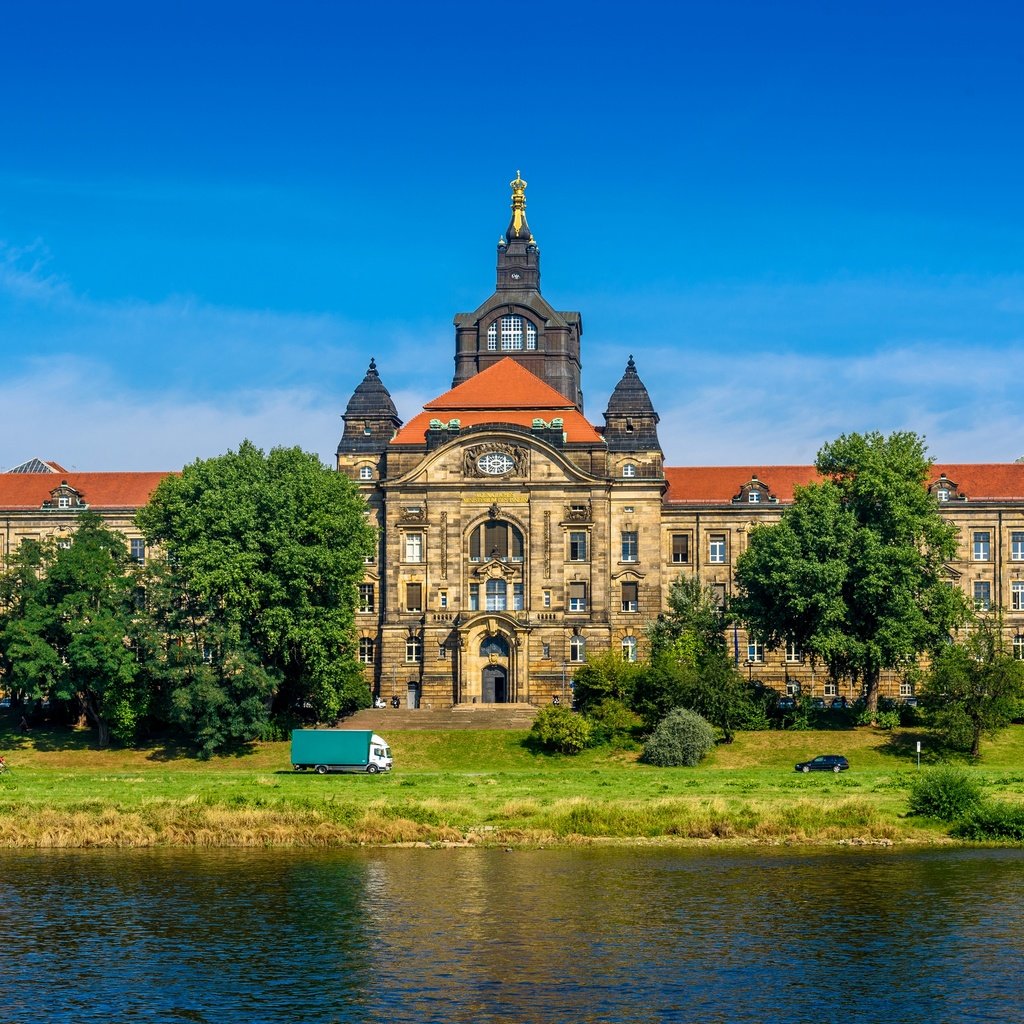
x: 477, y: 788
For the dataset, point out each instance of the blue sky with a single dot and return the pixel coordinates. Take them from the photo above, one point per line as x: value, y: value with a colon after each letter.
x: 800, y: 218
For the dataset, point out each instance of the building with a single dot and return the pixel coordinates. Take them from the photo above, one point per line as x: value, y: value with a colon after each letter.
x: 517, y: 537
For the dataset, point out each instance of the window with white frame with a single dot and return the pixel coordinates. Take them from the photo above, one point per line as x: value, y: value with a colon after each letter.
x: 442, y: 599
x: 716, y: 548
x: 629, y: 648
x: 630, y: 596
x: 578, y: 546
x: 63, y: 501
x: 497, y: 595
x: 413, y: 650
x: 793, y: 653
x: 366, y: 650
x: 754, y: 497
x: 518, y: 600
x: 982, y: 550
x: 630, y: 545
x: 511, y: 333
x: 1017, y: 546
x: 906, y: 689
x: 577, y: 648
x: 414, y: 547
x: 755, y: 651
x: 138, y: 550
x: 474, y: 597
x: 366, y: 597
x: 577, y: 597
x: 531, y: 336
x: 830, y: 689
x: 982, y: 595
x: 1018, y: 647
x: 546, y: 599
x: 365, y: 473
x: 492, y: 337
x: 629, y: 470
x: 1017, y: 595
x: 942, y: 493
x: 680, y: 547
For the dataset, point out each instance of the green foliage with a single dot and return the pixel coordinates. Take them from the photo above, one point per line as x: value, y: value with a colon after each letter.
x: 946, y: 792
x: 612, y: 722
x: 264, y: 552
x: 604, y: 677
x: 852, y: 571
x: 992, y: 822
x: 974, y: 687
x: 561, y: 730
x: 682, y: 739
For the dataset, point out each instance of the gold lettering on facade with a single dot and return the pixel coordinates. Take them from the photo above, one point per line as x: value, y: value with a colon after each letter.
x: 496, y: 498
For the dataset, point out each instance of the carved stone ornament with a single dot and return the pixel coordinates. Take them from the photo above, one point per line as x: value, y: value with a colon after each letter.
x: 490, y: 460
x: 414, y: 514
x: 579, y: 513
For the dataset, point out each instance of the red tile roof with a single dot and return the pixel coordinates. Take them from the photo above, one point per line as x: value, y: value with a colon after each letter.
x: 503, y: 393
x: 718, y: 485
x: 24, y: 491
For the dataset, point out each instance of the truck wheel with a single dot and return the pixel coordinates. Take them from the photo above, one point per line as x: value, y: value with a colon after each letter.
x: 321, y: 769
x: 372, y: 769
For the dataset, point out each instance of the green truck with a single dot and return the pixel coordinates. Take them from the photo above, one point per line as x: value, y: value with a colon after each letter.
x: 340, y: 750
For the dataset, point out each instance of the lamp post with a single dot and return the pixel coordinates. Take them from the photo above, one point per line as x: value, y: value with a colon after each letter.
x: 563, y: 681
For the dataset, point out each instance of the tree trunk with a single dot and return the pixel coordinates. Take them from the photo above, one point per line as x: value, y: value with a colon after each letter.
x: 871, y: 693
x: 976, y: 742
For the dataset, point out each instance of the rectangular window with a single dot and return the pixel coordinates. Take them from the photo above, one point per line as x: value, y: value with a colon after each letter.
x: 497, y: 595
x: 1018, y: 647
x: 413, y: 650
x: 982, y: 595
x: 755, y: 651
x: 366, y: 650
x: 517, y: 597
x: 793, y: 653
x: 474, y: 597
x: 830, y: 689
x: 495, y: 540
x: 414, y: 597
x: 545, y: 651
x: 547, y: 599
x: 442, y: 599
x: 716, y: 549
x: 630, y: 597
x: 577, y: 649
x: 1017, y: 595
x: 138, y: 551
x: 982, y: 547
x: 578, y: 546
x: 577, y: 597
x: 366, y: 597
x: 680, y: 548
x: 630, y: 545
x: 906, y: 689
x: 414, y: 547
x: 1017, y: 547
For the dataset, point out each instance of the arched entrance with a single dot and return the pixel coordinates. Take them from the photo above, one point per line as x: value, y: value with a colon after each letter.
x: 494, y: 677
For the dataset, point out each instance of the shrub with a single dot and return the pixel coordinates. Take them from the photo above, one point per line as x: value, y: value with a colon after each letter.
x: 561, y: 730
x: 682, y: 739
x: 992, y: 821
x: 947, y: 793
x: 612, y: 722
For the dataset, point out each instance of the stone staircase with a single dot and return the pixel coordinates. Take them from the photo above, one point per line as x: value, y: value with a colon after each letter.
x: 462, y: 716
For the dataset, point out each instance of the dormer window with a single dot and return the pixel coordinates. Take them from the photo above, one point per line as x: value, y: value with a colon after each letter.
x: 942, y: 494
x: 629, y: 470
x: 511, y: 329
x: 64, y: 501
x: 365, y: 473
x: 754, y: 497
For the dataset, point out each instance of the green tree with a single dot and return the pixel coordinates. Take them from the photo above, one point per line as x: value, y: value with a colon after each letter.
x: 974, y: 687
x: 603, y: 677
x: 852, y: 573
x: 264, y: 552
x: 71, y: 628
x: 690, y: 665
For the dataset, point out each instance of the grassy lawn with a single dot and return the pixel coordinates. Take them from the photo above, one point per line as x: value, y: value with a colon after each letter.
x: 475, y: 786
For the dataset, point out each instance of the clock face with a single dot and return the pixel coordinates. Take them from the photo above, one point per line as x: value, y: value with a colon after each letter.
x: 515, y: 277
x: 495, y: 463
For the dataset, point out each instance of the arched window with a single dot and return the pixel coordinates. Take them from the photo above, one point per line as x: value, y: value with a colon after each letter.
x: 510, y: 330
x: 497, y: 595
x: 629, y: 470
x: 629, y: 648
x: 365, y: 473
x: 366, y: 650
x: 413, y: 650
x: 494, y: 645
x: 496, y: 540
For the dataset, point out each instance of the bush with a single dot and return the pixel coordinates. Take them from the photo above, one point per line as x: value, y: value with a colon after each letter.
x: 612, y: 722
x: 682, y: 739
x: 947, y: 793
x: 992, y: 821
x: 561, y: 730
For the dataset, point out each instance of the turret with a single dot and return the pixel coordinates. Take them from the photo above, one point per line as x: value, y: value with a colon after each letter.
x: 371, y: 418
x: 631, y: 424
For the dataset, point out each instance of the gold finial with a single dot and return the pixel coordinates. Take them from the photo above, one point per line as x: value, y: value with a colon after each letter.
x: 518, y: 203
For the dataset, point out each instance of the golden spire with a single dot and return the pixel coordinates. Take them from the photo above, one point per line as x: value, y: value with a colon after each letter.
x: 518, y: 203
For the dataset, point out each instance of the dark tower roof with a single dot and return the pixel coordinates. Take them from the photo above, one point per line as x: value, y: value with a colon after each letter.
x: 371, y: 418
x: 631, y: 422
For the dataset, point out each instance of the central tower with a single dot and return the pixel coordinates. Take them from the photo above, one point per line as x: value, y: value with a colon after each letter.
x: 516, y: 322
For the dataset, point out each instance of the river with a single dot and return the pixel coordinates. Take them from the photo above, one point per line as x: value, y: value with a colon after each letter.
x: 596, y: 935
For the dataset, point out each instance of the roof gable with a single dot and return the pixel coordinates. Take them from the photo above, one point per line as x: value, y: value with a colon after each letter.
x: 505, y: 385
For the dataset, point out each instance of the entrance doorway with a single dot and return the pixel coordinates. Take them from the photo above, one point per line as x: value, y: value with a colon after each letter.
x: 494, y: 685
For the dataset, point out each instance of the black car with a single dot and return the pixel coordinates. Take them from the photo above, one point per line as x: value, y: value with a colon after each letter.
x: 824, y: 763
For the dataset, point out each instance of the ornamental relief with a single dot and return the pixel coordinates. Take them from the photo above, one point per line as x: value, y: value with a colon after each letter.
x: 490, y: 460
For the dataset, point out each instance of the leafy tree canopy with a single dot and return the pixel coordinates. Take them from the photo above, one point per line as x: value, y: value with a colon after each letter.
x: 264, y: 552
x: 852, y: 573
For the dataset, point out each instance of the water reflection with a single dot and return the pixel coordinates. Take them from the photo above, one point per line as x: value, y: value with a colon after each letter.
x: 484, y: 935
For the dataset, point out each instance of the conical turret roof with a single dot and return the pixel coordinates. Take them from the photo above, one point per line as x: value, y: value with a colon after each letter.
x: 630, y: 397
x: 371, y: 398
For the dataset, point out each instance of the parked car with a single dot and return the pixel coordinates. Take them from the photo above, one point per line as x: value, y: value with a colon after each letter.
x: 839, y: 704
x: 818, y: 703
x: 824, y: 763
x: 786, y: 704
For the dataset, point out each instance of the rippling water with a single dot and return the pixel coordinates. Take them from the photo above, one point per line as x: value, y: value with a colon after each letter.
x: 483, y: 935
